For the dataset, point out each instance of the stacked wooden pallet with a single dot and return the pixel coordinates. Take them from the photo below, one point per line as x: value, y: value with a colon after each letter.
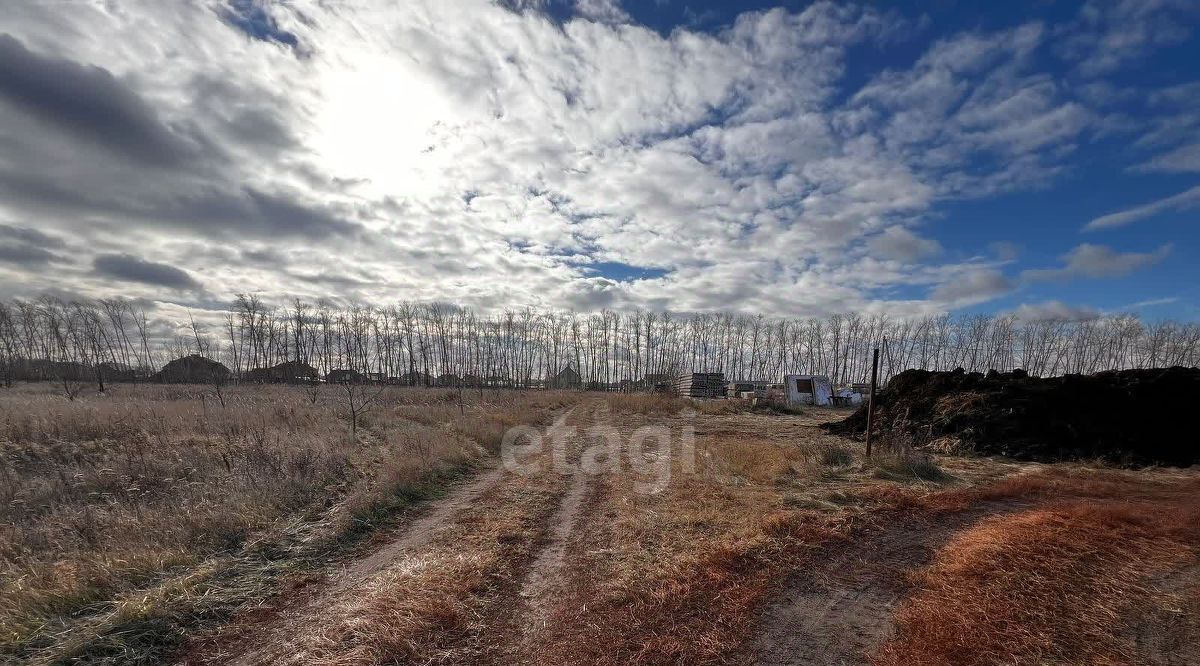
x: 701, y: 385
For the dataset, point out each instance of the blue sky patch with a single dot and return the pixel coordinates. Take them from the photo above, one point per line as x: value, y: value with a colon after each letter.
x: 252, y: 18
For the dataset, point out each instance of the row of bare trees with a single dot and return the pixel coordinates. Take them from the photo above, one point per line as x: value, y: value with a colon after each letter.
x: 438, y: 343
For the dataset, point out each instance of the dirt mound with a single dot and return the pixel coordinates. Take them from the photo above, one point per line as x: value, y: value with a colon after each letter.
x: 1137, y: 417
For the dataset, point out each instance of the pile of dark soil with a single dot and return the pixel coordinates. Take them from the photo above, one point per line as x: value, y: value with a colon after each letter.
x: 1134, y: 417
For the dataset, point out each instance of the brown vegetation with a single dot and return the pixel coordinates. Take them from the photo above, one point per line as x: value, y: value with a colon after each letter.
x: 1067, y: 583
x: 140, y: 488
x: 153, y: 516
x: 681, y: 576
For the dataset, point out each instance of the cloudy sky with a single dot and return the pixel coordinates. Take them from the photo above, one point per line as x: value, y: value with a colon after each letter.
x: 789, y: 159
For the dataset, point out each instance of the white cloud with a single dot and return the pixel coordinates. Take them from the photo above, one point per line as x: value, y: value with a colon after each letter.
x: 1185, y: 200
x: 975, y: 99
x: 1005, y: 250
x: 607, y: 11
x: 900, y: 244
x: 1107, y: 34
x: 1180, y: 160
x: 972, y: 286
x: 1098, y: 261
x: 479, y: 152
x: 1153, y: 302
x: 1055, y: 311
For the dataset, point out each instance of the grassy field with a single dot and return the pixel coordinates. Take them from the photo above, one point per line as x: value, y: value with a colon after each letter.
x: 130, y: 516
x: 166, y: 523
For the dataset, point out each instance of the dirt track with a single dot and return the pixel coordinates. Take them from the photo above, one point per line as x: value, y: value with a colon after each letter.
x: 841, y: 609
x: 273, y: 641
x: 552, y: 558
x: 289, y: 629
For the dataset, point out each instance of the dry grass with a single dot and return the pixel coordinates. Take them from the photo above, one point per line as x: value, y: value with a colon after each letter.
x: 678, y: 577
x: 421, y: 609
x: 647, y: 403
x: 132, y: 516
x: 668, y: 404
x: 424, y: 603
x: 1057, y: 584
x: 905, y: 467
x: 140, y: 488
x: 484, y: 418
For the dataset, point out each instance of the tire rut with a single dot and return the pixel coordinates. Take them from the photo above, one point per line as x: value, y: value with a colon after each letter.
x: 272, y: 642
x: 513, y: 625
x: 837, y: 613
x: 269, y: 634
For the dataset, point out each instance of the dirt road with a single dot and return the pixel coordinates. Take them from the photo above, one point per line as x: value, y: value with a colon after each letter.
x: 840, y: 610
x: 540, y: 507
x: 753, y: 551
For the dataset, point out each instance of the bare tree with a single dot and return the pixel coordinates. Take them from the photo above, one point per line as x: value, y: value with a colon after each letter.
x: 359, y: 398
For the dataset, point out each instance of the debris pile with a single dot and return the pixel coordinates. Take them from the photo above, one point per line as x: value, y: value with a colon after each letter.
x: 1133, y: 417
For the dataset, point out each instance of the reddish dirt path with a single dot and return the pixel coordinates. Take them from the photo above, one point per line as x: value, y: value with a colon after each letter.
x: 840, y: 610
x: 513, y: 625
x: 544, y: 573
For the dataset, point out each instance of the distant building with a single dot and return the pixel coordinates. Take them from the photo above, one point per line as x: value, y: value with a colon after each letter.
x: 808, y: 390
x: 567, y: 378
x: 42, y: 369
x: 344, y: 376
x: 289, y: 372
x: 117, y: 372
x: 417, y: 378
x: 193, y: 369
x: 757, y: 387
x: 659, y: 382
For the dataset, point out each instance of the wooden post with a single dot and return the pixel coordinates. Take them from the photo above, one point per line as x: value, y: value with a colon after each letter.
x: 871, y: 399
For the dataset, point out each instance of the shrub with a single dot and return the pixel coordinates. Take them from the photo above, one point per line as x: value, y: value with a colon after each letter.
x: 836, y: 455
x: 908, y: 467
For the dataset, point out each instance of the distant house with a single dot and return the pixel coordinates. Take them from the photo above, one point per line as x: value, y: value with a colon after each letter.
x: 416, y: 378
x: 496, y: 381
x: 567, y: 378
x: 42, y: 369
x: 193, y: 369
x: 344, y: 376
x: 288, y: 372
x: 117, y: 372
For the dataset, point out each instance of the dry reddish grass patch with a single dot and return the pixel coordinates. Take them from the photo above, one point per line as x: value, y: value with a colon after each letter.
x: 1060, y: 583
x: 681, y: 577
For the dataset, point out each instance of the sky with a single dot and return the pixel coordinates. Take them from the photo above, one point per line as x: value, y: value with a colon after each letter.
x: 788, y: 159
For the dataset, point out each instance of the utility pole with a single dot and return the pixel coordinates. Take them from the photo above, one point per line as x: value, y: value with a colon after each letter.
x: 871, y: 399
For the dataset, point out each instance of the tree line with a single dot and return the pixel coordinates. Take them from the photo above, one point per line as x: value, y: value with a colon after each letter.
x: 444, y: 344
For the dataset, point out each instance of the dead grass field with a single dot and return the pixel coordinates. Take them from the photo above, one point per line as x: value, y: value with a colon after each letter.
x: 129, y: 516
x: 774, y: 543
x: 1103, y: 571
